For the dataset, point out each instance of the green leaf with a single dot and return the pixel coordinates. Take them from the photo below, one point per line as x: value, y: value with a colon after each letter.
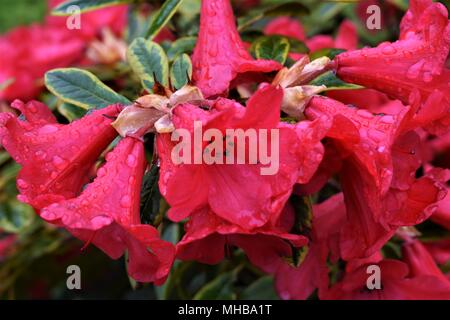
x: 181, y: 71
x: 332, y: 82
x: 163, y: 16
x: 303, y: 214
x: 302, y: 225
x: 151, y: 198
x: 137, y: 23
x: 261, y: 289
x: 84, y: 5
x: 81, y: 88
x: 148, y: 59
x: 219, y: 289
x: 70, y: 111
x: 328, y: 52
x: 182, y: 45
x: 298, y: 46
x: 272, y: 48
x: 4, y: 157
x: 15, y: 216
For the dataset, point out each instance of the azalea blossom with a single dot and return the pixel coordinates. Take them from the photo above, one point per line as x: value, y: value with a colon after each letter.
x: 219, y: 55
x: 58, y: 161
x: 209, y: 238
x: 263, y: 197
x: 380, y: 157
x: 416, y: 61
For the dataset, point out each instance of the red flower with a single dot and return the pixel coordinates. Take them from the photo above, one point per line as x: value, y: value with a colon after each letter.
x: 442, y: 213
x: 415, y: 62
x: 396, y: 284
x: 208, y: 236
x: 107, y: 214
x: 421, y: 262
x: 286, y: 26
x: 372, y: 100
x: 219, y: 55
x: 439, y: 250
x: 381, y: 156
x: 113, y: 18
x: 300, y: 282
x: 346, y: 38
x: 56, y: 159
x: 190, y: 187
x: 28, y: 52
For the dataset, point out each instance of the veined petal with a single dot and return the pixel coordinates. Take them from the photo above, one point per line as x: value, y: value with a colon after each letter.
x: 56, y: 159
x: 107, y: 215
x: 220, y: 55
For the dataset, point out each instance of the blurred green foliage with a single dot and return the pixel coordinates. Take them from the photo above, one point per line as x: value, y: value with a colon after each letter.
x: 20, y: 12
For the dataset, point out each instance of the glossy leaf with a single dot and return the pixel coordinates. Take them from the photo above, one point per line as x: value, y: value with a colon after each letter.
x: 220, y: 288
x: 64, y: 9
x: 181, y: 71
x: 332, y: 82
x: 151, y: 198
x: 148, y: 59
x: 272, y: 48
x: 70, y: 111
x: 261, y: 289
x: 182, y: 45
x: 15, y: 216
x: 163, y: 16
x: 328, y: 52
x: 81, y: 88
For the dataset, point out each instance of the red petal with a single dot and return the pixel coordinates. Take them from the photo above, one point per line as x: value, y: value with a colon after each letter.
x: 55, y: 158
x: 107, y: 214
x: 420, y: 261
x: 416, y: 61
x: 347, y: 37
x: 286, y: 26
x: 189, y: 187
x: 207, y: 235
x: 219, y: 55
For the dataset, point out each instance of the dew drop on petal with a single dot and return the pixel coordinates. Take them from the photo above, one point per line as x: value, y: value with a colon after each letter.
x: 22, y: 184
x: 41, y: 155
x: 131, y: 160
x: 125, y: 202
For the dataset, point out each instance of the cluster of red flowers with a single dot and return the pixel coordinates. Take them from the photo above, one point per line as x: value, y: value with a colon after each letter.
x: 54, y: 45
x: 376, y: 149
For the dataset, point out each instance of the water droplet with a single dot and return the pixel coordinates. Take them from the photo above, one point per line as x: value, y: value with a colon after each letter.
x: 131, y: 160
x: 22, y: 198
x: 387, y: 119
x: 31, y: 108
x: 49, y: 128
x: 22, y: 184
x: 388, y: 49
x: 125, y: 202
x: 41, y: 155
x: 48, y: 214
x: 58, y: 162
x: 364, y: 113
x: 101, y: 172
x: 100, y: 221
x: 414, y: 71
